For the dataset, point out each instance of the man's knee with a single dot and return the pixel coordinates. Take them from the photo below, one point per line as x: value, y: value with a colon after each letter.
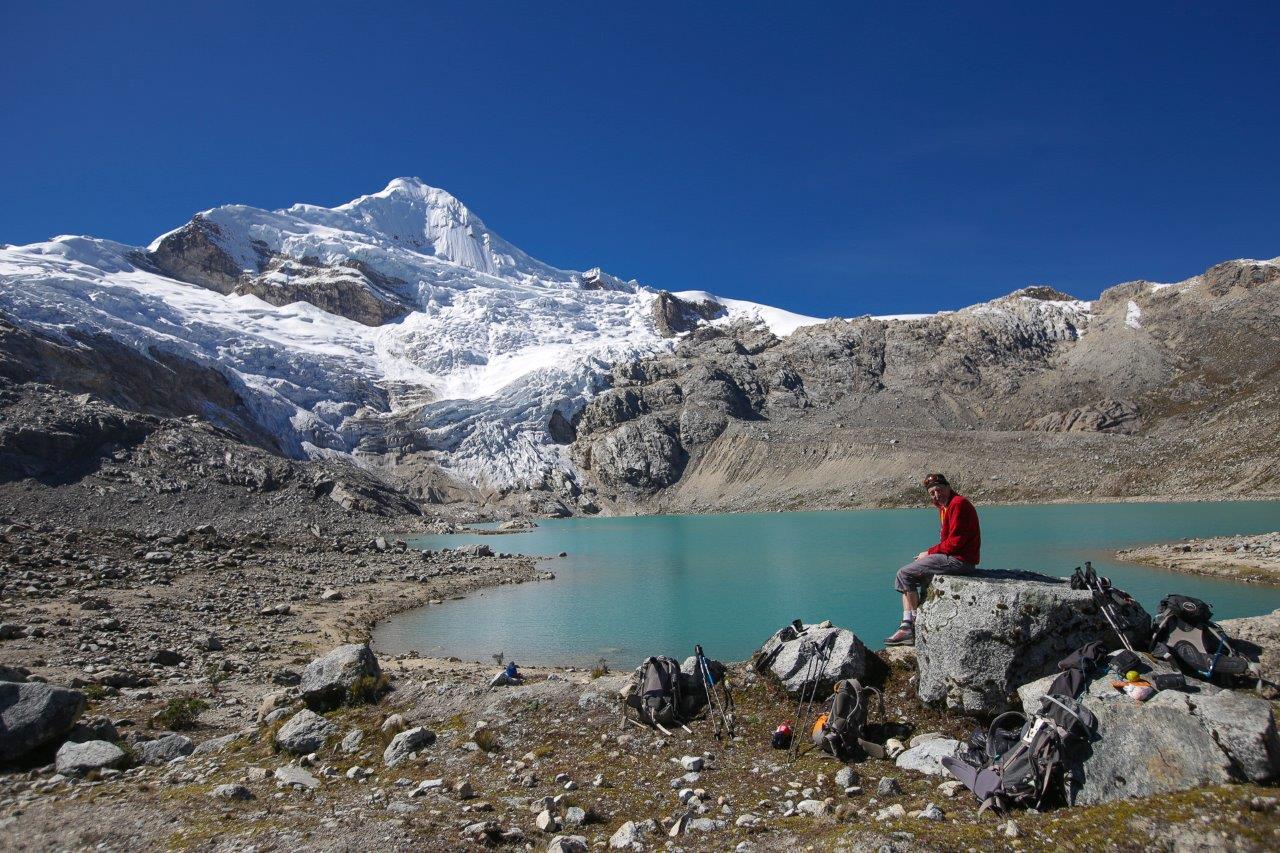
x: 905, y: 580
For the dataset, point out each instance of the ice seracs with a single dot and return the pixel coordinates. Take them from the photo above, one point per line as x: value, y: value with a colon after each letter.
x: 398, y: 322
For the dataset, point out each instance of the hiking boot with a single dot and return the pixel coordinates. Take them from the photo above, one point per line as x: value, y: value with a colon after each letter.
x: 904, y: 636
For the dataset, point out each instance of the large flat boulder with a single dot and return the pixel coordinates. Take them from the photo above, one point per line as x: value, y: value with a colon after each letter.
x: 788, y: 657
x: 163, y: 750
x: 78, y: 758
x: 1175, y: 741
x: 33, y: 714
x: 979, y: 637
x: 347, y: 672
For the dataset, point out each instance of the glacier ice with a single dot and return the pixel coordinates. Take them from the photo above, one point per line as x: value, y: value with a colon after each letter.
x: 494, y: 344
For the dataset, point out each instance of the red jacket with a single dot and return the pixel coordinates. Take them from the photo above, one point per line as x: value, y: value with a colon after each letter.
x: 961, y: 537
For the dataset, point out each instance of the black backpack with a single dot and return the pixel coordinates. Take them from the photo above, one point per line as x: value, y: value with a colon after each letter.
x: 839, y: 728
x: 1184, y: 632
x: 660, y: 696
x: 1023, y: 761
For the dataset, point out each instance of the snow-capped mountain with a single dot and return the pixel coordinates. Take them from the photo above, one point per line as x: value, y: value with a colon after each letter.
x: 392, y: 324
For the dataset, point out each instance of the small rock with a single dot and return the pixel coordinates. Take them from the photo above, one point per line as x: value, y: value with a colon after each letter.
x: 568, y: 844
x: 233, y: 791
x: 351, y: 743
x: 893, y: 812
x: 306, y: 731
x: 163, y: 750
x: 295, y: 777
x: 692, y: 763
x: 931, y: 812
x: 406, y: 743
x: 812, y: 807
x: 888, y: 787
x: 627, y: 835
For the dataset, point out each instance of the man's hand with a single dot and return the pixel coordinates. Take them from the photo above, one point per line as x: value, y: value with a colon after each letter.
x: 922, y: 555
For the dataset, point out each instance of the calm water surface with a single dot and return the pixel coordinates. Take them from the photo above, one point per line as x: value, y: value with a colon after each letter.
x: 632, y: 587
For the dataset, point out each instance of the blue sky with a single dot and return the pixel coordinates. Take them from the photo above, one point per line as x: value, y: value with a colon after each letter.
x: 832, y: 159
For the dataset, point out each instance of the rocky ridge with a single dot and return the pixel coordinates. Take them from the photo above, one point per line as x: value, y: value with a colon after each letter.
x: 1032, y: 397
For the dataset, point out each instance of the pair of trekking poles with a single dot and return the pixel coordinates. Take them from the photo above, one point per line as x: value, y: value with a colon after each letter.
x: 819, y: 654
x: 719, y: 708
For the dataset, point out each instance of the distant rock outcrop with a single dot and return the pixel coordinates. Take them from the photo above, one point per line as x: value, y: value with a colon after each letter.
x: 673, y: 315
x: 1106, y: 416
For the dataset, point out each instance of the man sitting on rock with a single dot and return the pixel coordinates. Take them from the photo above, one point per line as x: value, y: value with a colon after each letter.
x: 955, y: 554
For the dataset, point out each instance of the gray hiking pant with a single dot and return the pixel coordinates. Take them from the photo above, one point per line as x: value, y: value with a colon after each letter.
x: 917, y: 575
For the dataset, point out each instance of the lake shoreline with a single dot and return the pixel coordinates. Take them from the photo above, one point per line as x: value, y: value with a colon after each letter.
x: 1245, y: 559
x: 773, y: 554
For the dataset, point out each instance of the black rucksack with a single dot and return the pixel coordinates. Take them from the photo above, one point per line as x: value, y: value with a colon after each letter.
x: 839, y: 728
x: 1184, y: 632
x: 660, y: 692
x: 659, y: 697
x: 1022, y: 761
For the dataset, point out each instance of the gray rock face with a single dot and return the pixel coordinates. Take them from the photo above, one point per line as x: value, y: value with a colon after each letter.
x: 927, y: 757
x: 327, y: 681
x: 1260, y: 636
x: 306, y: 731
x: 78, y: 758
x: 351, y: 289
x: 1104, y: 416
x: 409, y: 741
x: 979, y: 637
x: 1173, y: 742
x: 163, y: 750
x: 673, y: 315
x: 644, y: 453
x: 1245, y: 727
x: 33, y: 714
x: 788, y: 656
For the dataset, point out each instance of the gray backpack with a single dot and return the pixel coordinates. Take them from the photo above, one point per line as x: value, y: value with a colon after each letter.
x: 1022, y: 764
x: 660, y: 696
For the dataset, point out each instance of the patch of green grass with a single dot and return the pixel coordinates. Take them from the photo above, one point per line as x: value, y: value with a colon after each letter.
x: 367, y: 690
x: 180, y: 713
x: 488, y: 739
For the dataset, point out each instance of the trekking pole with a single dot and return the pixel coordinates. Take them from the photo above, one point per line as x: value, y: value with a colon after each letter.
x: 816, y: 665
x: 1100, y: 596
x: 793, y: 748
x: 715, y: 711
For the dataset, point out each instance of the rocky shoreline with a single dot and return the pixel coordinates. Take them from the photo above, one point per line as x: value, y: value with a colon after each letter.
x: 1252, y: 559
x: 141, y: 621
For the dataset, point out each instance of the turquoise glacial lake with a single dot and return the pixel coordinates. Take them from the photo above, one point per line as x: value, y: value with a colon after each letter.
x: 636, y: 586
